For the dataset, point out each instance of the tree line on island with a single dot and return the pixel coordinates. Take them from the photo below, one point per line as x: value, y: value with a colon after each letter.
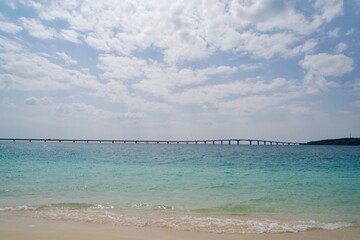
x: 338, y: 141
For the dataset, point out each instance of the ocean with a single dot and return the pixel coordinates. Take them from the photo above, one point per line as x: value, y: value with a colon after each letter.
x: 212, y: 188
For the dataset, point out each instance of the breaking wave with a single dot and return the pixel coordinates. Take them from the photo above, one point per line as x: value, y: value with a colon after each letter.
x: 108, y: 214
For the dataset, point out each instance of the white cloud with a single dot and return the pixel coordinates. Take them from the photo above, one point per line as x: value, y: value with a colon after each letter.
x: 265, y: 45
x: 216, y: 95
x: 66, y: 58
x: 29, y: 71
x: 9, y: 27
x: 350, y: 31
x: 116, y: 91
x: 334, y: 33
x: 70, y: 35
x: 161, y: 80
x: 307, y: 47
x: 11, y: 4
x: 272, y: 15
x: 5, y: 81
x: 327, y: 65
x: 329, y: 9
x: 324, y: 65
x: 277, y: 15
x: 89, y: 111
x: 154, y: 78
x: 97, y: 42
x: 254, y: 104
x: 7, y: 45
x: 190, y: 31
x: 38, y: 101
x: 341, y: 47
x: 117, y: 67
x: 37, y: 29
x: 250, y: 67
x: 315, y: 83
x: 296, y: 109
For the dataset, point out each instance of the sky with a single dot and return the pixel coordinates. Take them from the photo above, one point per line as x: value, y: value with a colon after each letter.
x: 180, y: 70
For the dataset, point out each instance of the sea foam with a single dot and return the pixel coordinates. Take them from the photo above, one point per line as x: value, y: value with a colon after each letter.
x: 107, y: 214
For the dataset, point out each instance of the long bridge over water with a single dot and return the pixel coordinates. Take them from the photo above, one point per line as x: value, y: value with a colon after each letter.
x: 211, y: 141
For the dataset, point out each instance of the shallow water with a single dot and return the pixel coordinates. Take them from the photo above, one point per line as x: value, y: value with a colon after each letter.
x: 218, y: 188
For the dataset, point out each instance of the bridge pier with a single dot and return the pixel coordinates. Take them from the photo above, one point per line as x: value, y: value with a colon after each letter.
x: 258, y: 142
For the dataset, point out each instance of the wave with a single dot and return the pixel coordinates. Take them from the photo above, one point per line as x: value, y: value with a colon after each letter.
x: 58, y: 206
x: 246, y: 208
x: 108, y: 214
x: 17, y: 208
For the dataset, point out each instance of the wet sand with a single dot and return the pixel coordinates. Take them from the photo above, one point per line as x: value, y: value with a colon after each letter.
x: 21, y: 228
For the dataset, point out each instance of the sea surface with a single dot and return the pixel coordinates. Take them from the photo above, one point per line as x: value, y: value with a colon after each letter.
x: 213, y: 188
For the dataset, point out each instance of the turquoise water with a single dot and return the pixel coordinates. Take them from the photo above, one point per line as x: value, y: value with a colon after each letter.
x: 216, y: 188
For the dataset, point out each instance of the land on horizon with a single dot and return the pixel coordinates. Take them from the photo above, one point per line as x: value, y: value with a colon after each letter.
x: 337, y: 141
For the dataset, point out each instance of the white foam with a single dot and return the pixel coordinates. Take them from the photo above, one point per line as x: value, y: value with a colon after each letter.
x: 17, y: 208
x: 233, y: 225
x: 108, y: 215
x: 333, y: 226
x: 99, y: 206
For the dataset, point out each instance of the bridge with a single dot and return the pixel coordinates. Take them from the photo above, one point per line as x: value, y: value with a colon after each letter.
x: 211, y: 141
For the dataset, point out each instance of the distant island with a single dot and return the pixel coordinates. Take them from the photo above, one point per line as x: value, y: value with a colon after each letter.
x: 338, y: 141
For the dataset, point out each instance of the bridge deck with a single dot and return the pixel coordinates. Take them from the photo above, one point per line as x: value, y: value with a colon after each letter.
x: 211, y: 141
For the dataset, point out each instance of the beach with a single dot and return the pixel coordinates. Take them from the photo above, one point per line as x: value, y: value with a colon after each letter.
x: 20, y: 228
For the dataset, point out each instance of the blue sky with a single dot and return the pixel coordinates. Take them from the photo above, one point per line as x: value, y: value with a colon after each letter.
x: 268, y: 69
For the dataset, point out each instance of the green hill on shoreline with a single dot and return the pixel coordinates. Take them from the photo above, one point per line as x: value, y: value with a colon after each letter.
x: 338, y: 141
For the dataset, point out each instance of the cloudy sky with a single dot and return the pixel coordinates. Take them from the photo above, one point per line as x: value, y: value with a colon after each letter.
x: 153, y: 69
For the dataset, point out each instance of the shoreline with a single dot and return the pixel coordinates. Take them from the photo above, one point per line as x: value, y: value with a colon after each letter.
x: 19, y: 228
x: 196, y: 222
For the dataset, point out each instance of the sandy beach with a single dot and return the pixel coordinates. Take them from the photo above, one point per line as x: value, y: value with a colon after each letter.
x: 18, y: 228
